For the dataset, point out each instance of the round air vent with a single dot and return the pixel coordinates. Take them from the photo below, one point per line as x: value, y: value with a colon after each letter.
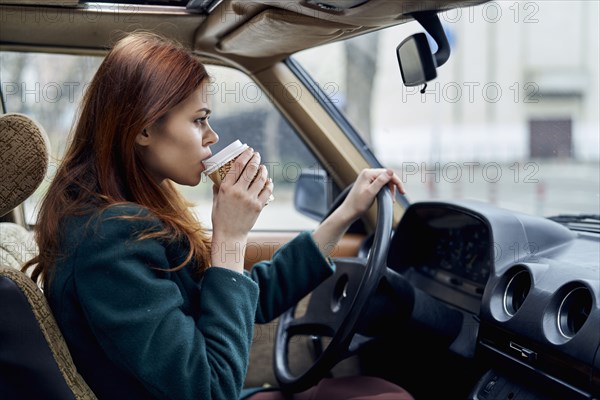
x: 573, y: 311
x: 567, y: 312
x: 516, y: 291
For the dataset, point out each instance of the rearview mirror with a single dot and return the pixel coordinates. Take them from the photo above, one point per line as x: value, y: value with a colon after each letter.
x: 417, y: 64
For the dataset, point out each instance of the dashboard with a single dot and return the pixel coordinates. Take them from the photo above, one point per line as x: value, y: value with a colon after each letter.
x: 531, y: 284
x: 450, y: 246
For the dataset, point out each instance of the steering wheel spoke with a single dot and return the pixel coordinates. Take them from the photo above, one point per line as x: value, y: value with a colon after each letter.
x: 302, y: 326
x: 330, y: 302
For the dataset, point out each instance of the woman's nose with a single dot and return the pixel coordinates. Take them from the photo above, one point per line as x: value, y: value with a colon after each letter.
x: 212, y: 137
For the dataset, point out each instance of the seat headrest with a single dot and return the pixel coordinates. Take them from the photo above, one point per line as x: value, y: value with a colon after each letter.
x: 24, y: 157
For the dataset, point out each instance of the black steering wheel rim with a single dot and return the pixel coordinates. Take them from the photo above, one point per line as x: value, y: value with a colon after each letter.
x: 374, y: 271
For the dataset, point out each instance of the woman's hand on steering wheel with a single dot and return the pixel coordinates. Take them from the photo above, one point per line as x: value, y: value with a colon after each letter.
x: 368, y: 183
x: 360, y: 197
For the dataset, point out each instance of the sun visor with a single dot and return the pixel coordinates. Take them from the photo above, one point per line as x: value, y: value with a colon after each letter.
x: 275, y: 32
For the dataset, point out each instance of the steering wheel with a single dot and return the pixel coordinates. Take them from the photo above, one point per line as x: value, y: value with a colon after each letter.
x: 336, y: 306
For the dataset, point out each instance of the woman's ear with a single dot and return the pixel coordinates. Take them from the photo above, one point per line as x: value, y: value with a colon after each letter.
x: 143, y: 138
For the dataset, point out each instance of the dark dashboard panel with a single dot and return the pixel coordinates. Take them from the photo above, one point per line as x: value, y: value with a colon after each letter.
x: 532, y: 284
x: 449, y: 245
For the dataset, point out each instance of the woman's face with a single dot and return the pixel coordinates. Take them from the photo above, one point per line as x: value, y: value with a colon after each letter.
x: 175, y: 147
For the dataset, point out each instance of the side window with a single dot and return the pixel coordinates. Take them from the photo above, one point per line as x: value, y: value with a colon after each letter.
x: 49, y: 88
x: 241, y: 110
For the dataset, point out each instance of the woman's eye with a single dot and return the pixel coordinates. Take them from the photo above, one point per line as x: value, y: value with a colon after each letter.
x: 202, y: 120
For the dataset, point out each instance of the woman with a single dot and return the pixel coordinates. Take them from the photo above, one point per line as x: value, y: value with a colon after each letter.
x: 150, y: 305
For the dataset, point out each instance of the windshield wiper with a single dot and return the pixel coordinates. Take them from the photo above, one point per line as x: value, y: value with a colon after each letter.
x: 580, y: 222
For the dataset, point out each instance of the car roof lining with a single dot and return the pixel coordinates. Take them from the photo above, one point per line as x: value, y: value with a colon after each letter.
x: 58, y: 3
x: 227, y: 31
x: 203, y: 6
x: 97, y: 25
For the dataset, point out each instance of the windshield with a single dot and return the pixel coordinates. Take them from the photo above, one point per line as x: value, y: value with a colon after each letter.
x: 511, y: 119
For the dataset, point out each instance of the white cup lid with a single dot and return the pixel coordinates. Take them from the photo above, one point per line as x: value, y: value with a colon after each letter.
x: 222, y: 157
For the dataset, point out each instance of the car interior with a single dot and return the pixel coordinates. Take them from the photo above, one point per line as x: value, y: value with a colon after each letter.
x: 451, y: 299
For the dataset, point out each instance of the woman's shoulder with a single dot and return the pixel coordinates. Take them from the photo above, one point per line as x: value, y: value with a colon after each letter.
x: 123, y: 218
x: 124, y: 210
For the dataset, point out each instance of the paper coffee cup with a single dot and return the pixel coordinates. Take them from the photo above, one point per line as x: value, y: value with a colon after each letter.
x: 217, y: 166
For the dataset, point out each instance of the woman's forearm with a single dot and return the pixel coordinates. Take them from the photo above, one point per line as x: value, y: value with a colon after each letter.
x: 330, y: 231
x: 228, y: 252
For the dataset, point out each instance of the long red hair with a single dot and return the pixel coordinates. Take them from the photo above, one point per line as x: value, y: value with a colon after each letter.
x: 140, y: 80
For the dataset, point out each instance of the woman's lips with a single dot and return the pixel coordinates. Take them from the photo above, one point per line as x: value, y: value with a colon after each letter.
x: 204, y: 159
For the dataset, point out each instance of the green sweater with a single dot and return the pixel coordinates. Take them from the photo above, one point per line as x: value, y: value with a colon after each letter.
x: 136, y: 331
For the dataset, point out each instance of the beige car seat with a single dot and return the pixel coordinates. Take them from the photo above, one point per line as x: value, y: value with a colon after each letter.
x: 35, y: 362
